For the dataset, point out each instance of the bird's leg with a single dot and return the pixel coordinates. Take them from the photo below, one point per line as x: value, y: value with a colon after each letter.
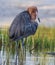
x: 16, y: 52
x: 22, y: 42
x: 22, y: 45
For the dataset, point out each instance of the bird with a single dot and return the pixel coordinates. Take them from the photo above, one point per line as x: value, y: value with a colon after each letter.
x: 24, y: 24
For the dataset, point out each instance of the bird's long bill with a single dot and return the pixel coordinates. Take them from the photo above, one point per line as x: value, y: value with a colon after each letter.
x: 38, y: 19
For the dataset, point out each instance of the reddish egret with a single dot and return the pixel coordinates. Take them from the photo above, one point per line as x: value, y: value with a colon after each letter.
x: 24, y: 25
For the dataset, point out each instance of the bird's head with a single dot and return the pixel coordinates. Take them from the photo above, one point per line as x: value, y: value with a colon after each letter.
x: 33, y: 11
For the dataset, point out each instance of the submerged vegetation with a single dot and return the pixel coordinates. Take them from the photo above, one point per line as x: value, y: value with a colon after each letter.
x: 43, y: 40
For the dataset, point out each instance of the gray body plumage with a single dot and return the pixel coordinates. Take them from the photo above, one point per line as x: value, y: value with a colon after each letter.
x: 22, y: 26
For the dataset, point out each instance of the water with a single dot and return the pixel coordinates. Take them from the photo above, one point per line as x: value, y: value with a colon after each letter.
x: 23, y: 56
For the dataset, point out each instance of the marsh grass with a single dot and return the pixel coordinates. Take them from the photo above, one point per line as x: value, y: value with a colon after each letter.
x: 43, y: 40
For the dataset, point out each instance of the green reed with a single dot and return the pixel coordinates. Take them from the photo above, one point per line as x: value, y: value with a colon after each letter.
x: 43, y: 40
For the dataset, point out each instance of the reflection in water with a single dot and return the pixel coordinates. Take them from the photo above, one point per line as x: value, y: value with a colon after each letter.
x: 9, y: 56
